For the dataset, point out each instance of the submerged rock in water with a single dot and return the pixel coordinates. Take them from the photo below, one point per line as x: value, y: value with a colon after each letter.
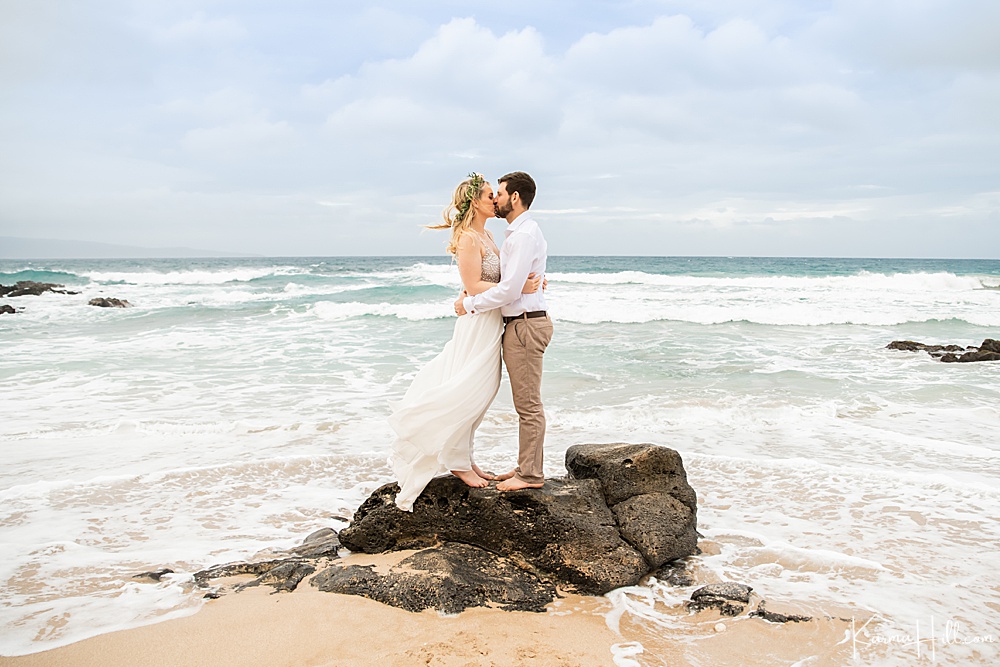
x: 675, y: 573
x: 6, y: 309
x: 284, y: 573
x: 31, y: 288
x: 728, y: 597
x: 990, y: 345
x: 106, y: 302
x: 913, y: 346
x: 988, y: 351
x: 775, y: 617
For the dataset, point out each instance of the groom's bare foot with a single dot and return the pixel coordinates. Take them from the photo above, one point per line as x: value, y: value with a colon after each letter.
x: 504, y: 476
x: 470, y: 478
x: 485, y: 475
x: 515, y: 484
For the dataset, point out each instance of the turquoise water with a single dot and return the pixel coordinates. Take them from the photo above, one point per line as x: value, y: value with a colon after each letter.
x: 241, y: 403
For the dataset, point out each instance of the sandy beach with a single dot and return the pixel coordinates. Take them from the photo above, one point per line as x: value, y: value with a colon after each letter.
x: 308, y: 627
x: 256, y: 626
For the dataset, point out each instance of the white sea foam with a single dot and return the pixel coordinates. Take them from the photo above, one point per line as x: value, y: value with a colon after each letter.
x: 875, y: 300
x: 865, y: 281
x: 244, y: 274
x: 623, y: 653
x: 416, y: 311
x: 130, y: 605
x: 420, y: 273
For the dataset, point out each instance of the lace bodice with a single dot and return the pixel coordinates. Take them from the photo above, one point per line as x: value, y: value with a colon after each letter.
x: 491, y: 266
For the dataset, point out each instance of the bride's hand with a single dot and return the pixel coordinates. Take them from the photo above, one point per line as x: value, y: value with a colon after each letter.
x: 531, y: 284
x: 459, y: 307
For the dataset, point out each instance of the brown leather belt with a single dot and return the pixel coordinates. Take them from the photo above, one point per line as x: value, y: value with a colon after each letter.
x: 525, y: 316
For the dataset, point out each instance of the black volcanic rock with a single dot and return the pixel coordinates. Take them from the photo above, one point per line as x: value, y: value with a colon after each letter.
x: 626, y: 510
x: 6, y: 309
x: 990, y: 345
x: 449, y: 578
x: 675, y: 573
x: 31, y: 288
x: 979, y: 355
x: 911, y: 346
x: 481, y: 547
x: 988, y: 351
x: 728, y: 597
x: 283, y: 573
x: 647, y: 490
x: 775, y: 617
x: 564, y: 530
x: 106, y: 302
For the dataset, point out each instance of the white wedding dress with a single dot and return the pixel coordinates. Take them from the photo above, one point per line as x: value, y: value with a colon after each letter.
x: 436, y: 421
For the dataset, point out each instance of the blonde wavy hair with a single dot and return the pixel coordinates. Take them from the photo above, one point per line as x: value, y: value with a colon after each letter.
x: 458, y: 214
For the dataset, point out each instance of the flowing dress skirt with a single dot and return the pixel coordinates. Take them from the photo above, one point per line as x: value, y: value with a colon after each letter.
x: 436, y: 421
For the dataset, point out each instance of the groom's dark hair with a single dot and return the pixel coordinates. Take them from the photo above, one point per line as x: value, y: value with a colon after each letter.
x: 521, y: 183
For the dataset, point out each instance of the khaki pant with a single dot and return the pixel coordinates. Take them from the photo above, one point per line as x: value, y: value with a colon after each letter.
x: 524, y: 343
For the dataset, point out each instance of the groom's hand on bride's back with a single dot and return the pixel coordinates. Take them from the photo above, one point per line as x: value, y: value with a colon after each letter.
x: 459, y: 308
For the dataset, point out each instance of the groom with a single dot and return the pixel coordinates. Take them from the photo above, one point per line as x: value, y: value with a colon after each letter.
x: 527, y: 327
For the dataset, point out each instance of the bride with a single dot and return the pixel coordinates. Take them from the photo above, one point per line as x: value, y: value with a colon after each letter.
x: 437, y: 419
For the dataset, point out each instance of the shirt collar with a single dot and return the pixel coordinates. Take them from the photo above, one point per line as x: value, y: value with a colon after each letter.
x: 518, y: 221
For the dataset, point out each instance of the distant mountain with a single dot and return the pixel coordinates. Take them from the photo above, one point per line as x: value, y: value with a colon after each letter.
x: 12, y: 247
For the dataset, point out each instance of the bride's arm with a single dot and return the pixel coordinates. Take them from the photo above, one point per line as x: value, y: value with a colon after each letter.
x: 470, y: 266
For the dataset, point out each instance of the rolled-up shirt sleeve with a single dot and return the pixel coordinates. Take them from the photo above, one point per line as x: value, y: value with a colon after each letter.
x: 520, y: 249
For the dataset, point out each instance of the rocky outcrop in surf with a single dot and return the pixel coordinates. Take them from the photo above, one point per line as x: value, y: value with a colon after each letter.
x: 624, y: 511
x: 31, y: 288
x: 989, y: 350
x: 107, y: 302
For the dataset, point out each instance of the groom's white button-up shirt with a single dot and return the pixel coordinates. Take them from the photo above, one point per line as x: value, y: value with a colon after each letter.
x: 524, y: 251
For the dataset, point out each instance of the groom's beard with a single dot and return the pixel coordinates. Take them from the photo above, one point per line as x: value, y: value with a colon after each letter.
x: 501, y: 212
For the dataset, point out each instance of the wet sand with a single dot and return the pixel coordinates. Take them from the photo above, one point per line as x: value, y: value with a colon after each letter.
x: 309, y: 627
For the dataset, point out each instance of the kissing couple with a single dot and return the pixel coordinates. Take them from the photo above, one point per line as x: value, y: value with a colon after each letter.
x: 501, y: 307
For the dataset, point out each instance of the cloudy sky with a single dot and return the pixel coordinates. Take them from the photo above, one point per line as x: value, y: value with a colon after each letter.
x: 653, y: 127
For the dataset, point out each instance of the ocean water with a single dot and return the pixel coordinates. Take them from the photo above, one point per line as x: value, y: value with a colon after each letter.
x: 241, y: 404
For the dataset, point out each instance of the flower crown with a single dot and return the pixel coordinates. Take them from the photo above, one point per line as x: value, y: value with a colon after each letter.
x: 470, y: 192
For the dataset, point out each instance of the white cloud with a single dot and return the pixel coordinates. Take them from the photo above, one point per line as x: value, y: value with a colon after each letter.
x: 463, y: 79
x: 250, y: 137
x: 688, y: 125
x: 200, y: 27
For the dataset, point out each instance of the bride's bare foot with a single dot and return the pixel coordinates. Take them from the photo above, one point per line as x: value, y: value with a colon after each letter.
x: 470, y: 478
x: 504, y: 476
x: 485, y: 475
x: 515, y: 484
